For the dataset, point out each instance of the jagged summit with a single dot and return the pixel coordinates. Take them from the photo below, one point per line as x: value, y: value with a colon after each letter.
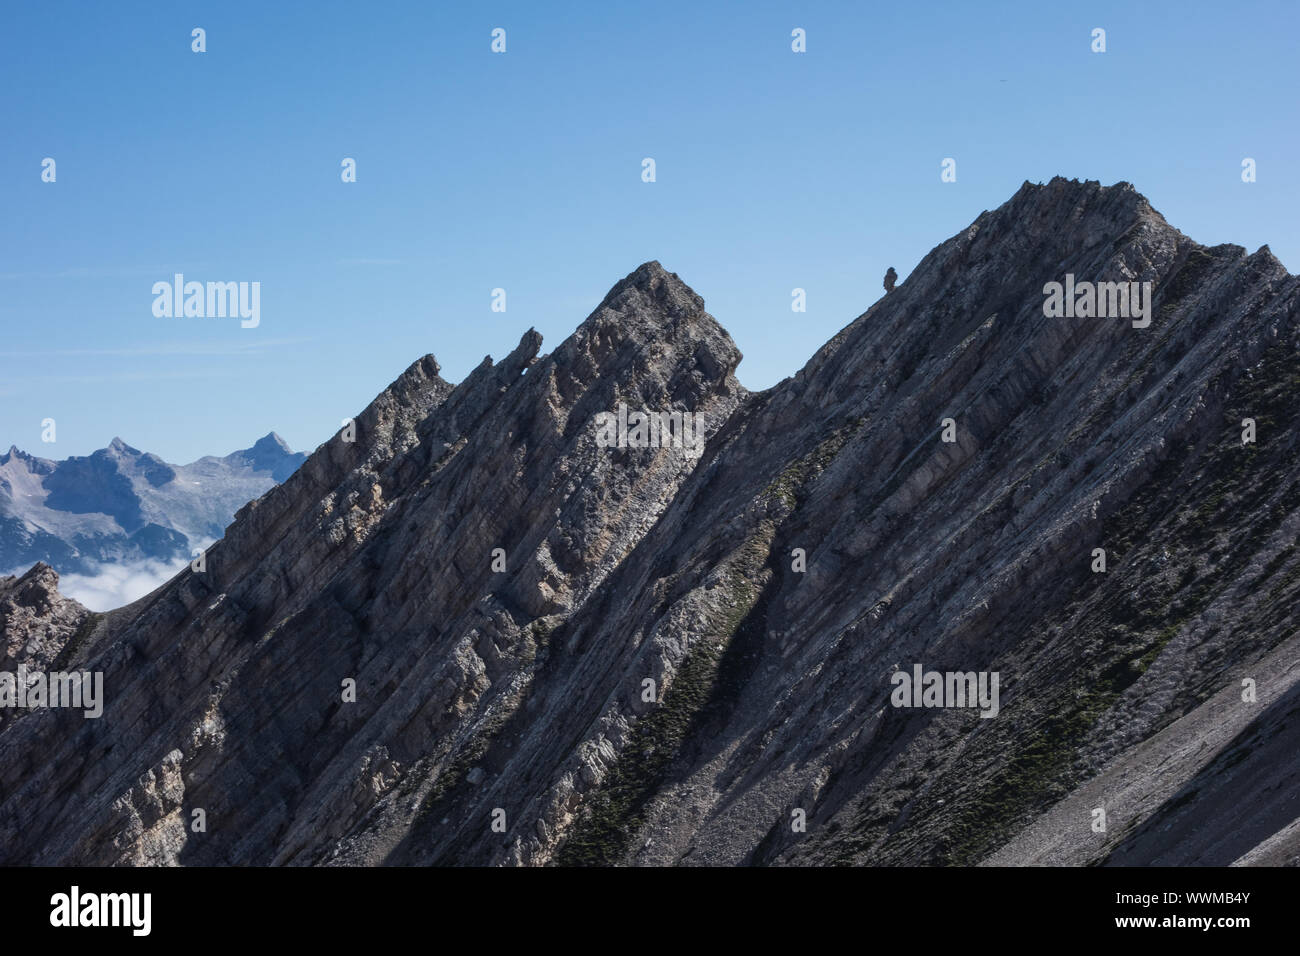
x: 271, y: 453
x: 655, y: 287
x: 42, y: 574
x: 37, y: 622
x: 1075, y: 191
x: 271, y: 440
x: 28, y: 460
x: 1078, y: 212
x: 929, y: 491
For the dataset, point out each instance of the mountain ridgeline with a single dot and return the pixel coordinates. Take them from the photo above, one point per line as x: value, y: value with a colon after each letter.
x: 476, y: 635
x: 119, y: 504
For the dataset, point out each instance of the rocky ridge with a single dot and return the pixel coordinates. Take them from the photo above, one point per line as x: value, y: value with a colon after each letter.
x: 518, y: 697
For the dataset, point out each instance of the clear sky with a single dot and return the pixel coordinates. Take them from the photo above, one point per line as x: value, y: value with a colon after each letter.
x: 522, y: 171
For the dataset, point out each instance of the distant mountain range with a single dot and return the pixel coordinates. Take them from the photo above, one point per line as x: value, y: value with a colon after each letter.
x: 122, y: 504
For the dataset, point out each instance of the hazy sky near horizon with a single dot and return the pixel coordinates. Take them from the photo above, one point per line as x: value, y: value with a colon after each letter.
x: 522, y: 171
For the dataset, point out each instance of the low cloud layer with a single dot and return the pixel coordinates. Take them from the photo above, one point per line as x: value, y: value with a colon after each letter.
x: 113, y: 585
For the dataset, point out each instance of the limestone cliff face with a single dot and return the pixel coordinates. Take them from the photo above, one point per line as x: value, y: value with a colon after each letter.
x: 570, y: 654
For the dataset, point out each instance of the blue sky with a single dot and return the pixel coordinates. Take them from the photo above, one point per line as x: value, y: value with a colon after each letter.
x: 522, y: 171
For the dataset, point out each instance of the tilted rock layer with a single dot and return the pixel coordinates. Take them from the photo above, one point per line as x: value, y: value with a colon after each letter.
x: 474, y: 635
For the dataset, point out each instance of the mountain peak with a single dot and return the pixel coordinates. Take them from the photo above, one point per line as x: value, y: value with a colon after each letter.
x: 272, y: 453
x: 271, y: 441
x: 649, y: 271
x: 1120, y: 202
x: 651, y: 281
x: 33, y: 462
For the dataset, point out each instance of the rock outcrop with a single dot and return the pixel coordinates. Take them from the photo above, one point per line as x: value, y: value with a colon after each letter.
x: 474, y: 635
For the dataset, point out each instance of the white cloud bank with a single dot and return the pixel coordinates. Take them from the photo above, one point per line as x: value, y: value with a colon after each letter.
x: 113, y: 585
x: 116, y: 584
